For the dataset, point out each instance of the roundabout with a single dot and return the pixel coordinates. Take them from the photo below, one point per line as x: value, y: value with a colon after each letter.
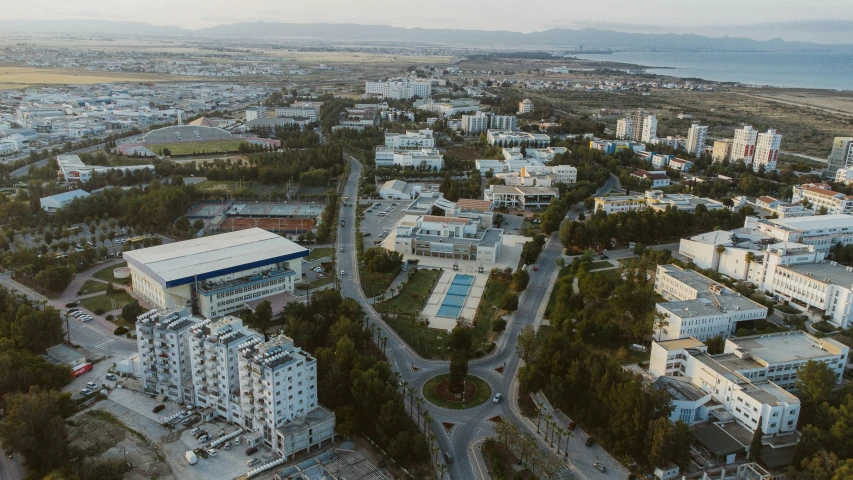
x: 436, y: 391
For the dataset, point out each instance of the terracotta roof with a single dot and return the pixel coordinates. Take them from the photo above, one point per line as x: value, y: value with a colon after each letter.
x: 768, y: 199
x: 820, y: 191
x: 473, y: 204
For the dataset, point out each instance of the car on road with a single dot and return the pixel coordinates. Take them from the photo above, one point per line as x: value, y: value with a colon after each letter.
x: 448, y: 457
x: 342, y: 273
x: 497, y: 398
x: 589, y: 441
x: 342, y: 249
x: 571, y: 425
x: 367, y: 234
x: 253, y: 461
x: 601, y: 468
x: 195, y: 430
x: 86, y: 391
x: 92, y: 385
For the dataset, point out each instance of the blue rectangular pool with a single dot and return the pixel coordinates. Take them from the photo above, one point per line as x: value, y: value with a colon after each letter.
x: 453, y: 301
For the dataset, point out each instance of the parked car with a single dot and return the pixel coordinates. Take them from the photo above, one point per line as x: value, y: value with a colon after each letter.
x: 589, y: 441
x: 227, y: 446
x: 200, y: 434
x: 86, y: 391
x: 448, y: 458
x: 251, y: 450
x: 158, y: 408
x: 92, y: 385
x: 498, y: 397
x: 195, y: 430
x: 110, y: 377
x: 211, y: 452
x: 187, y: 421
x: 253, y: 461
x: 367, y: 234
x: 203, y: 438
x: 571, y: 425
x: 342, y: 273
x: 601, y: 468
x: 603, y: 257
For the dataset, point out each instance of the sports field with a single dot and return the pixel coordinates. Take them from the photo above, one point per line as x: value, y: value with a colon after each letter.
x: 280, y: 225
x: 203, y: 146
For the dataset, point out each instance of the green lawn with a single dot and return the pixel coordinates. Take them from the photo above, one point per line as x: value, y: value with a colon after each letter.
x: 317, y: 253
x: 413, y: 297
x: 106, y: 274
x: 483, y: 392
x: 376, y: 283
x: 424, y: 340
x: 316, y: 283
x: 104, y: 302
x: 482, y: 333
x: 600, y: 264
x: 205, y: 146
x: 92, y: 286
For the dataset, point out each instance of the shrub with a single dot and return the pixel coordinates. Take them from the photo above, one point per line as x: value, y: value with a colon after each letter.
x: 110, y: 317
x: 70, y: 305
x: 120, y: 330
x: 99, y: 311
x: 509, y: 302
x: 499, y: 325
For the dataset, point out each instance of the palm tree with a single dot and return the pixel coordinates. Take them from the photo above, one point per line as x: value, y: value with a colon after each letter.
x: 559, y: 438
x: 420, y: 402
x: 548, y: 418
x: 661, y: 320
x: 442, y: 469
x: 749, y: 259
x: 538, y: 415
x: 404, y: 384
x: 427, y: 420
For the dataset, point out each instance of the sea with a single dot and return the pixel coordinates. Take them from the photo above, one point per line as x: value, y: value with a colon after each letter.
x: 820, y: 70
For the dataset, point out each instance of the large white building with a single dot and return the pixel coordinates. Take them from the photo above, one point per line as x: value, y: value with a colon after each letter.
x: 844, y: 175
x: 447, y: 107
x: 216, y: 275
x: 751, y: 381
x: 649, y: 133
x: 424, y: 158
x: 53, y: 203
x: 822, y: 231
x: 821, y: 196
x: 162, y: 337
x: 522, y: 197
x: 624, y: 128
x: 841, y: 155
x: 401, y: 89
x: 696, y: 139
x: 256, y: 112
x: 295, y: 111
x: 508, y: 138
x: 462, y: 238
x: 73, y: 169
x: 410, y: 139
x: 766, y: 150
x: 654, y: 199
x: 700, y: 307
x: 525, y: 106
x: 743, y: 146
x: 400, y: 190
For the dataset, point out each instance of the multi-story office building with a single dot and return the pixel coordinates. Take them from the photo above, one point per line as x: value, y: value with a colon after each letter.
x: 766, y: 150
x: 822, y: 231
x: 482, y: 121
x: 508, y: 138
x: 214, y: 348
x: 841, y: 155
x: 825, y: 286
x: 162, y: 337
x: 821, y: 196
x: 401, y: 89
x: 625, y: 129
x: 447, y: 107
x: 256, y: 112
x: 743, y: 146
x: 216, y: 275
x: 278, y: 393
x: 521, y: 196
x: 751, y: 380
x: 722, y: 150
x: 424, y: 158
x: 410, y: 139
x: 700, y: 307
x: 462, y: 238
x: 696, y: 139
x: 525, y: 106
x: 295, y: 111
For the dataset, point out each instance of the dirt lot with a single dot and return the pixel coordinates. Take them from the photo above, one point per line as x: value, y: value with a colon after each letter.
x: 100, y: 435
x: 20, y: 77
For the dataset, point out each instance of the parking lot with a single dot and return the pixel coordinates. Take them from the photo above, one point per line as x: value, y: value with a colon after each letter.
x: 374, y: 225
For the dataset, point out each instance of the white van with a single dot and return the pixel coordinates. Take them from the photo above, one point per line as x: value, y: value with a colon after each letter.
x: 191, y: 457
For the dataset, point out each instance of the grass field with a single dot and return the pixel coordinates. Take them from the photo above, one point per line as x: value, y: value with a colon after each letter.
x: 600, y: 264
x: 317, y: 253
x: 106, y: 274
x: 316, y: 283
x: 92, y: 286
x: 204, y: 146
x: 483, y: 392
x: 487, y: 311
x: 104, y: 302
x: 376, y: 283
x: 20, y: 77
x: 413, y: 297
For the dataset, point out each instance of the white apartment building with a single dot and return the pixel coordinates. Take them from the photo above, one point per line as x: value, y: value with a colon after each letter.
x: 825, y: 286
x: 841, y: 155
x: 216, y: 275
x: 508, y: 138
x: 8, y: 148
x: 278, y: 385
x: 696, y: 139
x: 476, y: 123
x: 525, y: 106
x: 565, y: 174
x: 700, y: 307
x: 844, y: 175
x: 256, y: 112
x: 624, y: 129
x: 743, y: 146
x: 401, y: 89
x: 722, y: 150
x: 822, y: 231
x: 310, y: 113
x: 767, y: 150
x: 650, y: 129
x: 410, y: 139
x: 448, y: 107
x: 822, y: 196
x: 214, y: 348
x: 162, y: 337
x: 424, y: 158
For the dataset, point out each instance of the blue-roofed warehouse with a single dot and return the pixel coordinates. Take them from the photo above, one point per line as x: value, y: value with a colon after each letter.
x: 54, y: 202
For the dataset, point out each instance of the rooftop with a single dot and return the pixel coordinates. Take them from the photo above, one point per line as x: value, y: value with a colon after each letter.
x: 680, y: 389
x: 786, y: 347
x: 679, y: 344
x: 70, y: 195
x: 824, y: 272
x: 468, y: 204
x: 184, y: 262
x: 64, y: 354
x: 838, y: 220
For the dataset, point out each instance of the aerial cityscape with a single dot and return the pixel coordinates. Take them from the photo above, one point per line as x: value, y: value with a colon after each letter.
x: 354, y: 242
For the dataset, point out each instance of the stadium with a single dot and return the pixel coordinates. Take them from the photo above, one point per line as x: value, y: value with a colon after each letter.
x: 290, y: 218
x: 190, y: 140
x: 216, y: 275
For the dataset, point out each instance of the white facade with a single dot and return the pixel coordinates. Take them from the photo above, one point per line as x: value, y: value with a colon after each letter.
x: 216, y: 275
x: 825, y: 286
x: 650, y: 129
x: 462, y: 238
x: 54, y: 202
x: 696, y: 139
x: 402, y: 89
x: 507, y: 138
x: 743, y: 146
x: 425, y: 158
x: 482, y: 121
x: 624, y: 129
x: 214, y: 348
x: 525, y: 106
x: 410, y: 139
x: 654, y: 199
x: 162, y: 337
x: 844, y: 175
x: 399, y: 190
x: 73, y: 169
x: 767, y: 150
x: 446, y: 107
x: 821, y: 195
x: 822, y: 231
x: 254, y: 113
x: 297, y: 112
x: 521, y: 196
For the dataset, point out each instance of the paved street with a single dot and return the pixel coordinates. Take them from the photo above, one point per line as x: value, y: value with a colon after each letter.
x: 471, y: 425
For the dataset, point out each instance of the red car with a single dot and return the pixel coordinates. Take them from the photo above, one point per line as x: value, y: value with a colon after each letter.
x: 535, y: 269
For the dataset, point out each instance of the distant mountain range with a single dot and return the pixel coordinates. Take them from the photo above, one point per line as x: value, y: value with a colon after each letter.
x: 557, y: 38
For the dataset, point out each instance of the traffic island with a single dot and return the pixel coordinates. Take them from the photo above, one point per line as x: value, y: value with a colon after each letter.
x: 436, y: 391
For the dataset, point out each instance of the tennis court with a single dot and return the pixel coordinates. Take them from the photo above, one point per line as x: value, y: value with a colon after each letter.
x: 205, y: 209
x: 458, y: 291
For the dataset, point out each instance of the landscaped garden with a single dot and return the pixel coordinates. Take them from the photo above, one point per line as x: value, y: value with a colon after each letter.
x: 436, y: 390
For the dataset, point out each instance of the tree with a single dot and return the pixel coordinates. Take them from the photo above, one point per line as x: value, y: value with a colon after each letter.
x: 34, y: 427
x: 509, y: 302
x: 715, y: 345
x: 755, y: 446
x: 458, y: 372
x: 815, y: 382
x: 132, y: 310
x: 527, y: 344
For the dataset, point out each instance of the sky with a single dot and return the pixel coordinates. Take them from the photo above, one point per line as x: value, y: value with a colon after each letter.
x: 716, y: 18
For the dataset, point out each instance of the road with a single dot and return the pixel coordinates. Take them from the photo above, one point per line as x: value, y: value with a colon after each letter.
x: 10, y: 467
x: 471, y: 425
